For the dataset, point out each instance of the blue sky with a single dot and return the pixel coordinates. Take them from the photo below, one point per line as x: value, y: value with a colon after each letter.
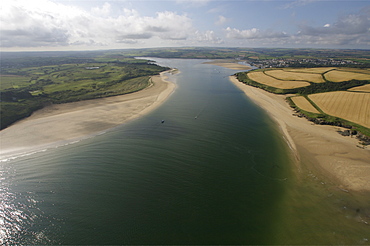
x: 120, y: 24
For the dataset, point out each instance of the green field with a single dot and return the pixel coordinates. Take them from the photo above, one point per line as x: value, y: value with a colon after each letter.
x: 13, y: 81
x: 26, y: 89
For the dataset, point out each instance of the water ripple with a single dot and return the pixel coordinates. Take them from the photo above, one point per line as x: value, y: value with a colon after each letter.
x: 19, y: 214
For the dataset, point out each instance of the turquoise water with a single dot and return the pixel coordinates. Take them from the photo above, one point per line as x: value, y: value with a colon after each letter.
x: 215, y: 172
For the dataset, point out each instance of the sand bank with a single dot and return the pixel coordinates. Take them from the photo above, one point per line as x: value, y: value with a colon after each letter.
x: 231, y: 64
x: 321, y: 147
x: 63, y: 123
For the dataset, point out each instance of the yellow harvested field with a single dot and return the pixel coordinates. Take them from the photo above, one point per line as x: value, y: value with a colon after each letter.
x: 352, y: 106
x: 318, y: 70
x: 340, y: 76
x: 356, y: 70
x: 364, y: 88
x: 287, y: 75
x: 262, y: 78
x: 305, y: 105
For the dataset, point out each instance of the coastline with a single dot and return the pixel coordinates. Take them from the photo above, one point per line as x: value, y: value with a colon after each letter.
x: 320, y: 146
x: 60, y: 124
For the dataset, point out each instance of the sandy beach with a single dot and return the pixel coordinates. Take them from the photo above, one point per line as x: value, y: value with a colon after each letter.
x: 231, y: 64
x: 62, y: 123
x: 318, y: 147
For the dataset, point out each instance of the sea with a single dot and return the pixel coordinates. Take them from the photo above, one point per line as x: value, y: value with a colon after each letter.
x: 206, y: 167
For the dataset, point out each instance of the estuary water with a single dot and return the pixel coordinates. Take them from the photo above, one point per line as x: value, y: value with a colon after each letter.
x: 207, y: 167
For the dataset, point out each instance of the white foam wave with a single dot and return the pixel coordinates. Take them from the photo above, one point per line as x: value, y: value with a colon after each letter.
x: 21, y: 153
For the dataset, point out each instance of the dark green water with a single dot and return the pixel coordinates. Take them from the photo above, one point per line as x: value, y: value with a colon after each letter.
x: 215, y: 172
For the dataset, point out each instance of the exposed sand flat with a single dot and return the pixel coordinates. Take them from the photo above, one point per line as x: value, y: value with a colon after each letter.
x: 335, y: 155
x: 228, y: 64
x: 72, y: 121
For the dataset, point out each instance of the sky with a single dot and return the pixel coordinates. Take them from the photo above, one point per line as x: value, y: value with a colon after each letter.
x: 45, y: 25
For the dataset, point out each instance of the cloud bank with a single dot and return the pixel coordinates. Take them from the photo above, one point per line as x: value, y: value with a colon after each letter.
x: 353, y: 29
x: 43, y: 23
x: 46, y: 23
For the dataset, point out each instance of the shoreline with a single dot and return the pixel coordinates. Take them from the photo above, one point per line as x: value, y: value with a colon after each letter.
x: 321, y: 146
x: 61, y: 124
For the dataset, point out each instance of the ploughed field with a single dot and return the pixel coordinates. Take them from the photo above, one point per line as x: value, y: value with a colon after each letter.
x: 342, y: 93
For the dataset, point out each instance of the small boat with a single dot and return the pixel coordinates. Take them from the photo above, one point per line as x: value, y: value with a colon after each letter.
x: 162, y: 121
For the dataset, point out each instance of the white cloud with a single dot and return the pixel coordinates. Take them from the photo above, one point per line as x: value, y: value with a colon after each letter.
x: 208, y: 37
x: 298, y: 3
x: 349, y: 30
x: 103, y: 11
x: 193, y: 3
x: 221, y: 20
x: 44, y: 23
x: 253, y: 33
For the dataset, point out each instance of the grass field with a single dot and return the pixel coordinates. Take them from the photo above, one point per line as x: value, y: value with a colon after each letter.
x: 363, y: 88
x: 351, y: 106
x: 290, y: 75
x: 13, y: 81
x: 26, y: 89
x: 262, y: 78
x: 302, y: 103
x: 81, y: 78
x: 340, y: 76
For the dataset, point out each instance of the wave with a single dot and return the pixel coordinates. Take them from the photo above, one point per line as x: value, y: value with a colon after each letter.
x: 25, y: 152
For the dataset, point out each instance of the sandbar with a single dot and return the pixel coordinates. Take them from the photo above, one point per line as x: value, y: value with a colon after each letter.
x: 62, y: 123
x: 317, y: 147
x: 231, y: 64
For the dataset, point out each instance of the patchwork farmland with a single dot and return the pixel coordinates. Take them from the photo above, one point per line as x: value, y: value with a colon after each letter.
x: 328, y: 92
x: 268, y: 80
x: 295, y: 76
